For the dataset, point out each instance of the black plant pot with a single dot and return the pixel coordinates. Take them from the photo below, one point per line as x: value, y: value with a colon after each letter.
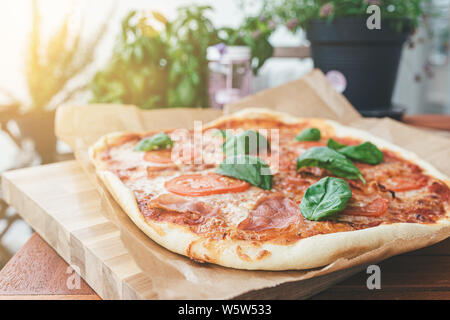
x: 368, y: 59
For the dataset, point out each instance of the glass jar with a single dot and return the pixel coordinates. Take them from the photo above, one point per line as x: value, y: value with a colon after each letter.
x: 230, y: 74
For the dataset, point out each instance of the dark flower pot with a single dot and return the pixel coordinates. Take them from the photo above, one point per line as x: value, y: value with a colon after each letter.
x: 39, y: 126
x: 368, y: 59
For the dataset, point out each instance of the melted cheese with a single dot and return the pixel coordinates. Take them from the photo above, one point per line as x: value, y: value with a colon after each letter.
x: 409, y: 206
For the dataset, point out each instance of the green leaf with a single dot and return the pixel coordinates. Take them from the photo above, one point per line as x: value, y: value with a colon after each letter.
x: 310, y: 134
x: 247, y: 168
x: 247, y: 142
x: 325, y: 198
x: 158, y: 141
x: 333, y: 144
x: 365, y: 152
x: 331, y: 160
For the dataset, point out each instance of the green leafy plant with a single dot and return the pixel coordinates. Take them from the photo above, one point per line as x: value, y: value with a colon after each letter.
x: 310, y: 134
x: 189, y: 36
x: 365, y: 152
x: 254, y: 32
x: 137, y: 71
x: 159, y: 63
x: 247, y: 168
x: 331, y: 160
x: 299, y: 13
x: 325, y: 198
x: 158, y: 141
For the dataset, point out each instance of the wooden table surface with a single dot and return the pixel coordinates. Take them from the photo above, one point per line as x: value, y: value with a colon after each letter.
x: 38, y: 272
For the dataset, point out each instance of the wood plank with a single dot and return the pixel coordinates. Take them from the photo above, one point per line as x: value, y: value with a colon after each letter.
x: 410, y: 286
x: 433, y: 121
x: 383, y: 295
x: 36, y: 269
x: 405, y: 271
x: 439, y: 249
x: 54, y: 267
x: 67, y: 213
x: 402, y: 277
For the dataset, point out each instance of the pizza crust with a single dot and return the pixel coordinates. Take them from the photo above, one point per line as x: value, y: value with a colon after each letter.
x: 260, y: 113
x: 312, y: 252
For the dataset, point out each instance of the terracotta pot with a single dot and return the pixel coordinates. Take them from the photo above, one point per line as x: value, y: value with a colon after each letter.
x: 40, y: 127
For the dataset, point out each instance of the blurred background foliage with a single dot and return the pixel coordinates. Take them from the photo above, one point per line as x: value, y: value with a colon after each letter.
x: 158, y: 63
x: 254, y: 33
x: 299, y: 13
x: 137, y: 70
x: 189, y: 36
x: 52, y: 65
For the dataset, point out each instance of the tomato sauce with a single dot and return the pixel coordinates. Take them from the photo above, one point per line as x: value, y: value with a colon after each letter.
x: 396, y: 191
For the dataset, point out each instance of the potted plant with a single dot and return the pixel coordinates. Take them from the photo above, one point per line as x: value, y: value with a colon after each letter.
x: 254, y: 33
x: 51, y: 69
x: 158, y: 63
x: 241, y: 52
x: 343, y: 40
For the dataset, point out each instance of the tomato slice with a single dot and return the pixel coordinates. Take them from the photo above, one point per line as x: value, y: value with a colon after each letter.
x: 204, y: 185
x: 159, y: 156
x: 376, y: 208
x: 400, y: 184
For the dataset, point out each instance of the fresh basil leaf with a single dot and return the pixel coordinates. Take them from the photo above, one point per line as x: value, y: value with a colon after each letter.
x: 247, y: 142
x: 365, y: 152
x: 333, y: 144
x: 248, y: 168
x: 327, y: 158
x: 158, y: 141
x: 310, y: 134
x: 325, y: 198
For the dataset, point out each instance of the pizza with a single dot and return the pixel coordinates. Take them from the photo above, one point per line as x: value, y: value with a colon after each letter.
x: 262, y: 190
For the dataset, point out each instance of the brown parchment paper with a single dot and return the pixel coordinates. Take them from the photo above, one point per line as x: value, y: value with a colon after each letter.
x: 176, y: 277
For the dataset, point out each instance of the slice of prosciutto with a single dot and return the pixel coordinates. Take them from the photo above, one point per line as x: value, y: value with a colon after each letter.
x: 271, y: 212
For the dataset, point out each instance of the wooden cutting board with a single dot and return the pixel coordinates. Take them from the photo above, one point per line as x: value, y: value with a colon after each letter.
x: 61, y: 204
